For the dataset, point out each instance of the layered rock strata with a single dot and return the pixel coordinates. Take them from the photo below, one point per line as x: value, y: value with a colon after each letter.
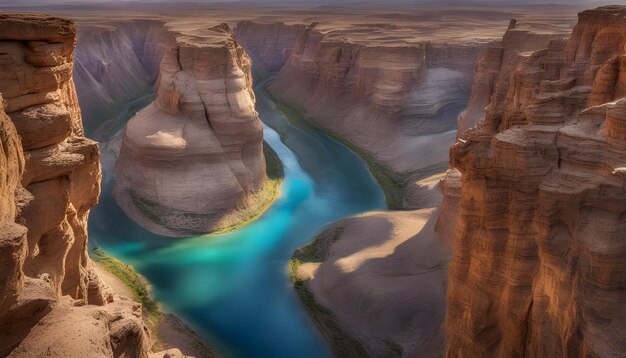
x: 388, y: 98
x: 269, y: 45
x: 537, y: 267
x: 52, y: 301
x: 115, y: 64
x: 192, y: 161
x: 495, y: 66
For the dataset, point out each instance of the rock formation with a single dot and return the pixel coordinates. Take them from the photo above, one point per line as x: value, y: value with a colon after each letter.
x: 115, y: 65
x: 192, y: 161
x: 269, y: 45
x: 494, y: 68
x: 538, y: 257
x: 52, y: 301
x: 389, y: 98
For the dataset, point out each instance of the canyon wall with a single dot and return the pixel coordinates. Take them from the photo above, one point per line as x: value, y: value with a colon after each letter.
x: 389, y: 98
x: 494, y: 68
x: 269, y: 45
x: 538, y: 264
x: 115, y: 64
x: 52, y: 301
x: 192, y: 161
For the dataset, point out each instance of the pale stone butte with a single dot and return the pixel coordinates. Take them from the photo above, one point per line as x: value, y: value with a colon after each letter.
x: 538, y: 264
x: 51, y: 300
x: 191, y: 161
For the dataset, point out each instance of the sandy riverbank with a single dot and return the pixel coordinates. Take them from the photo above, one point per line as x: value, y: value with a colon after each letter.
x: 168, y: 331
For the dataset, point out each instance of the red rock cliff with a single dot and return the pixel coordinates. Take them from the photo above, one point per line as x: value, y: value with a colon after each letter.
x: 52, y: 302
x: 538, y: 265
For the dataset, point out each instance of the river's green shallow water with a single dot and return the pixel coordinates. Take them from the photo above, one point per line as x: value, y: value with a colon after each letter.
x: 234, y: 288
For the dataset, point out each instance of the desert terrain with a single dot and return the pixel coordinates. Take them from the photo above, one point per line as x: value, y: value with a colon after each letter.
x: 470, y: 118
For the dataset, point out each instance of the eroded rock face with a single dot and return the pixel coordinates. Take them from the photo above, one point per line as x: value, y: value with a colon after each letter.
x: 538, y: 260
x: 269, y: 45
x: 494, y: 68
x: 50, y: 180
x: 192, y: 160
x: 390, y: 99
x: 115, y: 65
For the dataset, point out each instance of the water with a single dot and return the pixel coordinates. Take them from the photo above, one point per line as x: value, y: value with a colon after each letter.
x: 234, y: 288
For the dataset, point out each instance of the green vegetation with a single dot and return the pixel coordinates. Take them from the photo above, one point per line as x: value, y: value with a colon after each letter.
x: 317, y: 249
x: 261, y: 200
x: 395, y: 349
x: 342, y: 344
x: 155, y: 319
x: 274, y: 167
x: 130, y: 278
x: 265, y: 197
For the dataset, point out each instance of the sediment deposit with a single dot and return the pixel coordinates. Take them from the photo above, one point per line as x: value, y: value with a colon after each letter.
x: 383, y: 276
x: 537, y: 267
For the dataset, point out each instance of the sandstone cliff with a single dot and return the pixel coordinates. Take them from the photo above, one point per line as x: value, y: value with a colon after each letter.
x: 192, y: 161
x: 494, y: 68
x: 538, y: 257
x: 269, y: 45
x: 52, y: 302
x: 389, y: 98
x: 387, y: 93
x: 115, y: 64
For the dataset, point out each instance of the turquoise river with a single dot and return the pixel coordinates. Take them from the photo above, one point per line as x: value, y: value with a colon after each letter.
x: 234, y: 289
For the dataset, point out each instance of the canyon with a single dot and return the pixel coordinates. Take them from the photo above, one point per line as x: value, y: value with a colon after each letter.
x: 389, y: 94
x: 498, y: 144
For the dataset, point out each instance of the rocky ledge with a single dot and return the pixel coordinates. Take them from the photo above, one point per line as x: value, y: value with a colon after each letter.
x: 392, y: 92
x: 538, y: 263
x: 52, y: 301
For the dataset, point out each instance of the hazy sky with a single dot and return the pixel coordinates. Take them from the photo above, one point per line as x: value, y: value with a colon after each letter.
x: 308, y: 2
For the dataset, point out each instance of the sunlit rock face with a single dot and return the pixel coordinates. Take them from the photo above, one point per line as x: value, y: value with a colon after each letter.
x: 380, y: 273
x: 538, y: 266
x: 192, y: 160
x: 50, y: 180
x: 387, y: 97
x: 495, y: 67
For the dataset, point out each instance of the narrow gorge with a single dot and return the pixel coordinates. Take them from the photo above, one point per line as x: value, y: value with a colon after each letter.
x: 312, y: 180
x: 386, y: 98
